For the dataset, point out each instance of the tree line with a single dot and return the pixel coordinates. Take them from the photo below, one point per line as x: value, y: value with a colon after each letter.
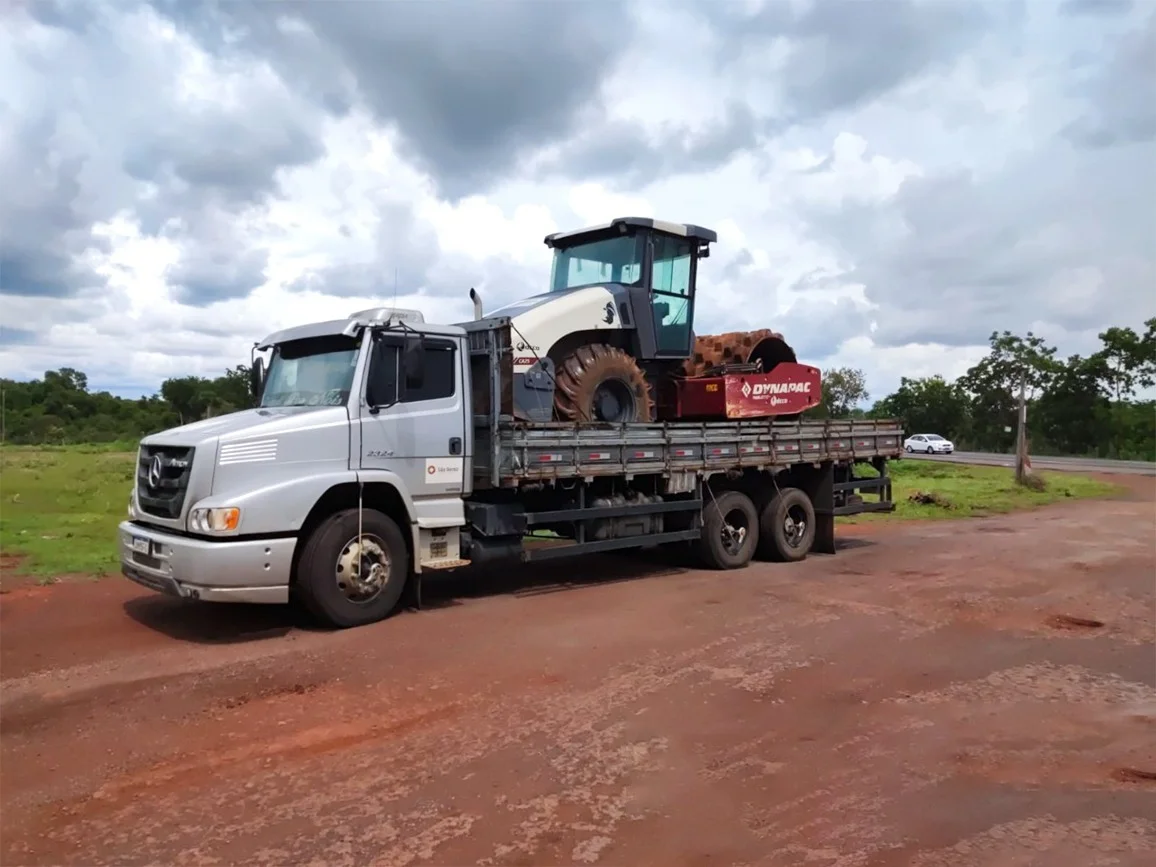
x: 60, y: 409
x: 1086, y: 406
x: 1077, y: 406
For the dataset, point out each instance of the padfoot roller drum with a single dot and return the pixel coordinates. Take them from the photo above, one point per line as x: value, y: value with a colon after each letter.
x: 738, y: 347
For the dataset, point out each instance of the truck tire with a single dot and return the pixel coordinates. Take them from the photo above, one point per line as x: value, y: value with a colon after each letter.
x: 601, y: 383
x: 730, y: 531
x: 786, y: 526
x: 330, y: 564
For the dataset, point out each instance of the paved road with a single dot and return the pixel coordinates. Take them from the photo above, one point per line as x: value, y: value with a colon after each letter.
x: 1079, y: 465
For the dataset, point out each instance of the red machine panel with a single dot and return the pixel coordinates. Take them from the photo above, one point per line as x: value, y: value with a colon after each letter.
x: 788, y: 389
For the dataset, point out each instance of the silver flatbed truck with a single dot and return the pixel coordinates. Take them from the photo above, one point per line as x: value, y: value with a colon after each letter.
x: 367, y: 465
x: 384, y: 448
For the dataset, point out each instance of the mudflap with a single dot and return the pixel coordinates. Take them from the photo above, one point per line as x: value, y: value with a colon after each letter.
x: 411, y: 596
x: 823, y: 501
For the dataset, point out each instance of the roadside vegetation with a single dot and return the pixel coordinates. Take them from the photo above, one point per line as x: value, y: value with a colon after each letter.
x: 1086, y: 407
x: 1078, y: 406
x: 60, y: 505
x: 936, y: 489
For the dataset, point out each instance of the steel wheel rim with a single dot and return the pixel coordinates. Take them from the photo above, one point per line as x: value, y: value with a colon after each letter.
x: 614, y: 401
x: 734, y: 531
x: 795, y: 526
x: 362, y: 569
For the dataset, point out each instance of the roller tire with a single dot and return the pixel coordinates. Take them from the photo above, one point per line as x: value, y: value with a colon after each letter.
x: 579, y: 376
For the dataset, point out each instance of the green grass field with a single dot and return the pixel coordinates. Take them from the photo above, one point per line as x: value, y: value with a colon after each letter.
x: 965, y: 491
x: 59, y: 507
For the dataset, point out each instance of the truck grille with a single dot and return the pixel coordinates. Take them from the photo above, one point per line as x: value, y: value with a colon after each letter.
x: 162, y: 479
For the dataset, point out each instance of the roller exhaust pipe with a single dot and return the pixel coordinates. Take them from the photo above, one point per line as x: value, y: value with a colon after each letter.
x: 477, y: 299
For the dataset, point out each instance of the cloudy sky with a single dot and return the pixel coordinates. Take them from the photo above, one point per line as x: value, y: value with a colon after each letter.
x: 890, y: 180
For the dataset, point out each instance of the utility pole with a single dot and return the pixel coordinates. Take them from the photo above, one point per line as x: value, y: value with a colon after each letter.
x: 1021, y: 433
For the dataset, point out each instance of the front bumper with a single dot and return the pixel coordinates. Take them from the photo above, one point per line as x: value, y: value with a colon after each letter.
x: 224, y: 571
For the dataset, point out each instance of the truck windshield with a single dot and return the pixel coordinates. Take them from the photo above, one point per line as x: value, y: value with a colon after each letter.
x: 315, y: 371
x: 612, y: 260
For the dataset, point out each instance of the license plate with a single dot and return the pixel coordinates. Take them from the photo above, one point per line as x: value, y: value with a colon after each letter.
x: 139, y: 545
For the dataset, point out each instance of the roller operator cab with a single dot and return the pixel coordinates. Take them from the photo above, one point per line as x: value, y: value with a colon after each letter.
x: 618, y: 317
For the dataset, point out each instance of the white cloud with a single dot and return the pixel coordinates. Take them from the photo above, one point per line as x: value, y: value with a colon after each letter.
x: 174, y: 195
x: 477, y: 228
x: 889, y: 363
x: 592, y: 203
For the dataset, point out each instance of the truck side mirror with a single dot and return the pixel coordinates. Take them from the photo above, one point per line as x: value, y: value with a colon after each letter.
x: 413, y: 362
x: 257, y: 378
x: 381, y: 378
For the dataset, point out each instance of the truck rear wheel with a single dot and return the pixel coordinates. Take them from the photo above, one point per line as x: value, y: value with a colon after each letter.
x: 786, y: 526
x: 344, y: 580
x: 601, y: 383
x: 730, y: 531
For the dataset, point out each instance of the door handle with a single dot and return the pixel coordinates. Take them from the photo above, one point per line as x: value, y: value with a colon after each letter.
x: 455, y: 445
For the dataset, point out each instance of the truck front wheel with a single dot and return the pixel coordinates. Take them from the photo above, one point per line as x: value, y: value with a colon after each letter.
x: 344, y: 580
x: 730, y: 531
x: 786, y: 526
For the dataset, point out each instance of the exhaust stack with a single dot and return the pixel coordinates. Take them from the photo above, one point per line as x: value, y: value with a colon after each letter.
x: 477, y: 299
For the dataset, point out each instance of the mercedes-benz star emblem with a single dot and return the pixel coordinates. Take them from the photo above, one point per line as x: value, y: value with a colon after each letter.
x: 155, y: 470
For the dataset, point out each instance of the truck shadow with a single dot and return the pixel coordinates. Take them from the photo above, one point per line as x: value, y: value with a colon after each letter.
x: 536, y: 579
x: 235, y: 623
x: 206, y: 623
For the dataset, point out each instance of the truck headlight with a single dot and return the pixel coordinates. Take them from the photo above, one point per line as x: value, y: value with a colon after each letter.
x: 220, y: 520
x: 132, y: 506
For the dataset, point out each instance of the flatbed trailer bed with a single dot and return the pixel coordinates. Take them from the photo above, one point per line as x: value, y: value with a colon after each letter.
x: 598, y: 488
x: 540, y: 452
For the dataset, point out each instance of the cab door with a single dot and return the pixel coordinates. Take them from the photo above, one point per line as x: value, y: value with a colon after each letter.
x: 413, y: 426
x: 672, y: 296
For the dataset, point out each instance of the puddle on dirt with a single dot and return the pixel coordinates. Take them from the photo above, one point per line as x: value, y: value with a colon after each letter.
x: 237, y: 701
x: 1134, y: 775
x: 1067, y: 621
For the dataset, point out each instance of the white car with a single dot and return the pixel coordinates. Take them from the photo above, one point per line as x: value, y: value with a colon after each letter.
x: 932, y: 444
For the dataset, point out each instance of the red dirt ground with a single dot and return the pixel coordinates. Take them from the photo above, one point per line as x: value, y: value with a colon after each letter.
x: 935, y: 694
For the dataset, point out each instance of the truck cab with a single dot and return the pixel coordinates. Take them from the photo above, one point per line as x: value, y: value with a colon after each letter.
x: 369, y: 411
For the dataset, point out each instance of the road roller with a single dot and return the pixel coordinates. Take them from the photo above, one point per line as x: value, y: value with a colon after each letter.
x: 612, y: 339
